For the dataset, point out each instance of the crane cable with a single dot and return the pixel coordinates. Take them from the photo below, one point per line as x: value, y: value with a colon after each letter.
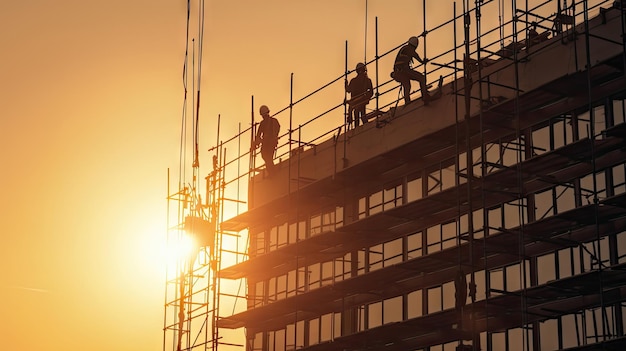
x: 196, y: 162
x: 181, y: 175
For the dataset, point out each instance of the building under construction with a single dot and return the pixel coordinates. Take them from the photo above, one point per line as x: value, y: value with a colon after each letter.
x: 493, y: 218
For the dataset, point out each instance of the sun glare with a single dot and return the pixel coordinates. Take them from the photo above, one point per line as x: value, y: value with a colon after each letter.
x: 179, y: 249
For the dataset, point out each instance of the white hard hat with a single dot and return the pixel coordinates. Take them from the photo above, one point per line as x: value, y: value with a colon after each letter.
x: 413, y: 41
x: 264, y: 110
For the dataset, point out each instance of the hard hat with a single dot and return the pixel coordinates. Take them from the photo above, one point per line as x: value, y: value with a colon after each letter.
x: 360, y: 67
x: 264, y: 110
x: 413, y: 41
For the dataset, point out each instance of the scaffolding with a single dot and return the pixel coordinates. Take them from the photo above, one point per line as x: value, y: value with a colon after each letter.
x: 498, y: 225
x: 196, y: 243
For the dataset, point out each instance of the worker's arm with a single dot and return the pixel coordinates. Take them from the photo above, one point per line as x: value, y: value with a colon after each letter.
x: 416, y: 56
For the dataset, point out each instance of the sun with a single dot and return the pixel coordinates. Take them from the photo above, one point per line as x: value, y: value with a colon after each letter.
x: 156, y: 251
x: 180, y: 247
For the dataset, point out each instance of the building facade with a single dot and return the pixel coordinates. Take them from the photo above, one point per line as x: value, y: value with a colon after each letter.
x: 494, y: 218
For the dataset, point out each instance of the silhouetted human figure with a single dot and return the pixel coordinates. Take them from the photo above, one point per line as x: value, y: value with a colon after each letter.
x: 532, y: 34
x: 361, y: 91
x: 267, y: 137
x: 403, y: 73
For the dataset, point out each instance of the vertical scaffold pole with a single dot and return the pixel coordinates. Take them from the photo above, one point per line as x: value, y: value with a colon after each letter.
x: 425, y: 32
x: 467, y: 86
x: 290, y: 133
x: 346, y: 118
x: 377, y: 73
x: 460, y: 280
x: 251, y: 166
x: 365, y: 39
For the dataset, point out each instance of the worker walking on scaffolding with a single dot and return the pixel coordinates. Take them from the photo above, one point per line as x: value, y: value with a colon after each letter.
x: 267, y: 137
x: 403, y: 73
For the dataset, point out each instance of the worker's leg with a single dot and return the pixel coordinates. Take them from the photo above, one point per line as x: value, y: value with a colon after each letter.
x: 362, y: 114
x: 421, y: 79
x: 267, y: 153
x: 359, y: 112
x: 406, y: 89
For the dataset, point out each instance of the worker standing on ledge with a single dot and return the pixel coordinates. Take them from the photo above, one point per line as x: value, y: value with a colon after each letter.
x: 361, y: 91
x: 267, y: 137
x: 403, y: 73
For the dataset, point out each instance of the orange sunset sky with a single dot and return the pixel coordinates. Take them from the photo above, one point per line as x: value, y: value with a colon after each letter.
x: 91, y: 101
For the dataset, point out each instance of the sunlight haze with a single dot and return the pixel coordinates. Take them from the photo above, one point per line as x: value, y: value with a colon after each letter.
x: 91, y: 100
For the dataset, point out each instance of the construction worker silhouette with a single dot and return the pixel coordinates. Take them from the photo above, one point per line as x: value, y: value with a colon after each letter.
x: 267, y: 137
x: 361, y: 91
x: 403, y: 73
